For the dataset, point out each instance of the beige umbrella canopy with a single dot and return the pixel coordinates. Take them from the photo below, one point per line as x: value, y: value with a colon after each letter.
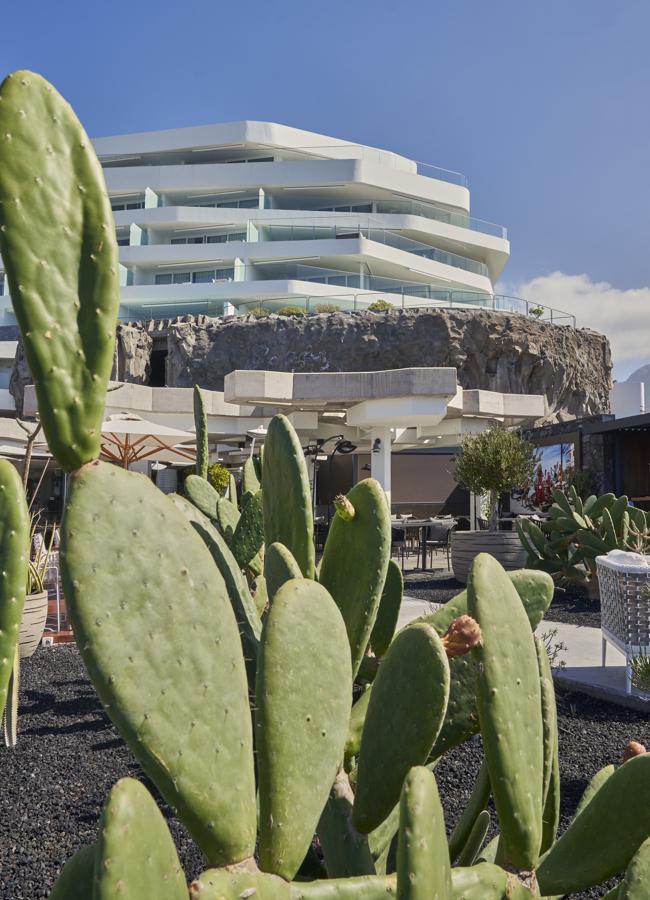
x: 127, y: 438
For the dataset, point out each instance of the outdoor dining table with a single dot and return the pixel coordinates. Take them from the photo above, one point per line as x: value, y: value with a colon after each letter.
x: 421, y: 525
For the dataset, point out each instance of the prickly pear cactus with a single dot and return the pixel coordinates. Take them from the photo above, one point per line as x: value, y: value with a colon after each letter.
x: 201, y: 429
x: 246, y: 614
x: 587, y: 853
x: 510, y: 709
x: 200, y: 492
x: 423, y: 867
x: 295, y: 726
x: 287, y: 495
x: 405, y: 713
x: 279, y: 566
x: 383, y: 630
x: 359, y: 544
x: 142, y: 589
x: 250, y: 481
x: 136, y: 856
x: 57, y: 239
x: 77, y: 876
x: 14, y: 553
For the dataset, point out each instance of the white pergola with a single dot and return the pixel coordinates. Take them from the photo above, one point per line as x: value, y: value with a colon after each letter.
x: 375, y: 411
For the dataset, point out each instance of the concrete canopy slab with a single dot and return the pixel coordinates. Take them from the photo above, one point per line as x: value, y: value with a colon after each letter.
x: 338, y: 389
x: 398, y: 411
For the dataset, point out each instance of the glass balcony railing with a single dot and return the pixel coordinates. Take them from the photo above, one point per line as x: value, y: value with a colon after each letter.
x: 438, y: 214
x: 427, y: 297
x: 379, y: 235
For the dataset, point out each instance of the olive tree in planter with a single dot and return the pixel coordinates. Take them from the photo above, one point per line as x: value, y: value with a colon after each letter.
x: 491, y: 463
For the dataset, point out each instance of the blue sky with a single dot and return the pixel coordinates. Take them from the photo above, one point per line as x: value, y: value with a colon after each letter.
x: 544, y: 106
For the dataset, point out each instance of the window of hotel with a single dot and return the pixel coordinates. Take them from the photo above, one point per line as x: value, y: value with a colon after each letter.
x: 357, y: 207
x: 119, y: 203
x: 211, y: 238
x: 202, y: 276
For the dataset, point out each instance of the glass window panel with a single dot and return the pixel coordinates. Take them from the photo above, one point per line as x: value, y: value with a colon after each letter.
x: 164, y: 278
x: 181, y: 277
x: 203, y: 277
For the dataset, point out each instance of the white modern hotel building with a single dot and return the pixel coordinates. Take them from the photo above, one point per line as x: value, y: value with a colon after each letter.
x: 225, y: 219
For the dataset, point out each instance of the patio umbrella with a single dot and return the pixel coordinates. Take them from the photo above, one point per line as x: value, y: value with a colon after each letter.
x: 127, y: 438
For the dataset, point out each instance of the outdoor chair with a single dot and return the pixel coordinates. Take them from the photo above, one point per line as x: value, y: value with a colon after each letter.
x: 624, y: 582
x: 398, y: 543
x: 439, y: 536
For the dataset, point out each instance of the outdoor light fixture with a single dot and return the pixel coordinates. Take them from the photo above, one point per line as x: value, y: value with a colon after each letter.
x: 376, y: 445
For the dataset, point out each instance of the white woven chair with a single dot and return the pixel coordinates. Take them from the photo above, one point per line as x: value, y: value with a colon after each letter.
x: 623, y: 579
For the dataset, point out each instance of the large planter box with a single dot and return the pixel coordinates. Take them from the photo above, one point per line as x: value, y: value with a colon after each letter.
x: 505, y: 546
x: 32, y: 625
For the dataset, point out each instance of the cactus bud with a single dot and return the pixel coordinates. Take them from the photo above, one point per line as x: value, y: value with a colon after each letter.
x: 463, y: 634
x: 344, y: 508
x: 634, y: 748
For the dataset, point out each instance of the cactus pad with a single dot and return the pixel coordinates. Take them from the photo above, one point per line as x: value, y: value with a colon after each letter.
x: 201, y: 429
x: 250, y: 481
x: 535, y: 591
x: 248, y: 536
x: 388, y: 613
x: 304, y: 690
x: 360, y: 545
x: 603, y: 838
x: 57, y: 239
x: 637, y: 877
x: 246, y: 614
x: 287, y: 496
x: 14, y: 553
x: 405, y: 712
x: 136, y: 856
x: 155, y: 627
x: 510, y: 709
x: 239, y: 883
x: 279, y: 566
x: 227, y: 519
x: 75, y: 881
x: 201, y: 493
x: 423, y: 868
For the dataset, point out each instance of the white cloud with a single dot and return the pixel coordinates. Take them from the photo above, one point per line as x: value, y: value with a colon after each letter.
x: 623, y: 315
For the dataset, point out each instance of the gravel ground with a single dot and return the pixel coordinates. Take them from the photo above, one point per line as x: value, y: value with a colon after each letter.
x: 570, y: 605
x: 54, y: 783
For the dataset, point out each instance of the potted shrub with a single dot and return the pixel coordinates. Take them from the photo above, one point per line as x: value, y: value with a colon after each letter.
x: 32, y: 625
x: 491, y: 463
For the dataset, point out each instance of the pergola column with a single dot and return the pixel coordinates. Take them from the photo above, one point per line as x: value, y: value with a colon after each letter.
x: 380, y: 458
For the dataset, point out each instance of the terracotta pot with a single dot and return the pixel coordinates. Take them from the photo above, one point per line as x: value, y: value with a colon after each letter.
x: 505, y: 546
x: 33, y: 623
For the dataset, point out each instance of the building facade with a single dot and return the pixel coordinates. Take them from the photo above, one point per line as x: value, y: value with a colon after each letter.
x: 251, y: 216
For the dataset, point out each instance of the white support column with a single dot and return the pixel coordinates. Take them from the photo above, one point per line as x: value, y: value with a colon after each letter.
x: 151, y: 199
x: 380, y: 458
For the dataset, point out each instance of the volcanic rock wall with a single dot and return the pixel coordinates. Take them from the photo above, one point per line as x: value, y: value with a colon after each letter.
x: 492, y: 351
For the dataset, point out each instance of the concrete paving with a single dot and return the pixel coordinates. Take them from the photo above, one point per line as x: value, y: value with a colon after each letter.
x: 580, y: 654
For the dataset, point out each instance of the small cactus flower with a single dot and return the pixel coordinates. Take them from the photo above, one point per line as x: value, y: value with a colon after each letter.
x: 344, y: 508
x: 634, y: 748
x: 463, y: 634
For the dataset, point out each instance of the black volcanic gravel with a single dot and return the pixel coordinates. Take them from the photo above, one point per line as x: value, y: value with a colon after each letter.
x: 570, y: 605
x: 69, y: 755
